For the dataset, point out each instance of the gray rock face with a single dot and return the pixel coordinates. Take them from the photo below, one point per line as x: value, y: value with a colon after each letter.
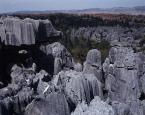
x: 123, y: 70
x: 6, y: 106
x: 129, y: 108
x: 143, y: 105
x: 22, y: 76
x: 121, y: 108
x: 15, y: 100
x: 42, y: 85
x: 93, y: 64
x: 122, y: 78
x: 96, y: 107
x: 95, y: 84
x: 22, y: 99
x: 127, y: 36
x: 78, y: 67
x: 142, y: 80
x: 16, y: 96
x: 57, y: 65
x: 54, y: 104
x: 63, y: 59
x: 78, y: 86
x: 14, y: 31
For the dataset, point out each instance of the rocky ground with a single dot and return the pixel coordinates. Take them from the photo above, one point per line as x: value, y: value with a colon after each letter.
x: 39, y: 76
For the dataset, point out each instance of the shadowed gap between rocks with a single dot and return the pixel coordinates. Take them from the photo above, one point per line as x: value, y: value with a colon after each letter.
x: 41, y: 35
x: 9, y: 55
x: 142, y: 97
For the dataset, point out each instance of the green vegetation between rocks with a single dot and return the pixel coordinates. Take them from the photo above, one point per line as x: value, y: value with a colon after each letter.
x: 80, y: 47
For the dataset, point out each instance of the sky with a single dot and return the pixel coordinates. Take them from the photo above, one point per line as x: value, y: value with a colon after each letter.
x: 41, y: 5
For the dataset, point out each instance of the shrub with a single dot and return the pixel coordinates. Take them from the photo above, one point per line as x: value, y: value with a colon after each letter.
x: 79, y: 53
x: 81, y: 47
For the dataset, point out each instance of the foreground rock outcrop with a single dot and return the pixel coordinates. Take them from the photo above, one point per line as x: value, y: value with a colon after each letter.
x: 123, y: 72
x: 96, y: 107
x: 78, y: 86
x: 29, y: 83
x: 53, y: 104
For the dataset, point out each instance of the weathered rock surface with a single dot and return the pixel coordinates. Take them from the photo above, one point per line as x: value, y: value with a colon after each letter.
x: 78, y: 67
x: 78, y: 86
x: 42, y: 79
x: 122, y: 80
x: 54, y: 104
x: 121, y: 108
x: 23, y: 76
x: 63, y: 59
x: 14, y: 101
x: 127, y: 36
x: 22, y: 99
x: 14, y: 31
x: 20, y: 92
x: 123, y: 72
x: 93, y: 64
x: 96, y: 107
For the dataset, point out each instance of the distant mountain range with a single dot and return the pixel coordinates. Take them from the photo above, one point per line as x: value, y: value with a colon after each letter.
x: 138, y: 10
x: 117, y: 10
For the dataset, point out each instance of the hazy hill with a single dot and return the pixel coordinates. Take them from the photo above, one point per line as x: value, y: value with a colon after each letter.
x: 138, y: 10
